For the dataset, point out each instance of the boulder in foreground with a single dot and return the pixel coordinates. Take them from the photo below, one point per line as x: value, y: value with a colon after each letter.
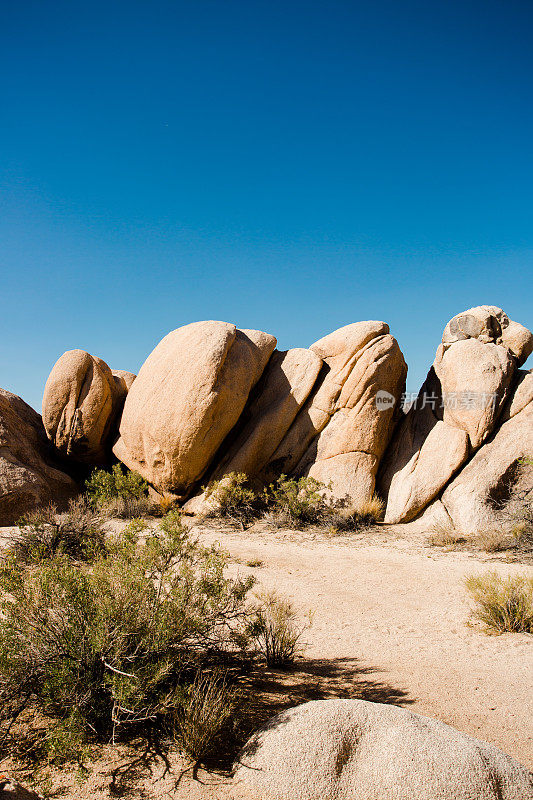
x: 356, y: 750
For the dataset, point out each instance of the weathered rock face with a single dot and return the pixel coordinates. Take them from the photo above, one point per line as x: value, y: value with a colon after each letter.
x: 29, y: 475
x: 472, y: 500
x: 81, y: 403
x: 355, y: 750
x: 187, y: 397
x: 341, y: 432
x: 457, y: 408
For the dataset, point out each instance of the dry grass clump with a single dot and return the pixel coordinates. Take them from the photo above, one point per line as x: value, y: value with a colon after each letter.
x: 495, y: 541
x: 356, y: 518
x: 205, y: 711
x: 43, y: 533
x: 276, y: 630
x: 233, y: 499
x: 443, y: 534
x: 502, y: 604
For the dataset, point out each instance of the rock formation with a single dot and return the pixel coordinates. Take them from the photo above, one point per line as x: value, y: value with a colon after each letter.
x: 356, y: 750
x: 82, y: 402
x: 30, y: 476
x: 457, y: 408
x: 187, y: 397
x: 474, y: 498
x: 212, y: 399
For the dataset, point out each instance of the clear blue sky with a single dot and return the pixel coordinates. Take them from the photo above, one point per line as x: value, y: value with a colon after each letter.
x: 288, y: 166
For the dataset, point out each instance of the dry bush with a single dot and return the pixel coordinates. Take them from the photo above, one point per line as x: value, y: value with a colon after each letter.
x: 276, y: 630
x: 43, y: 533
x: 205, y: 711
x: 443, y: 534
x: 234, y: 500
x: 350, y: 518
x: 495, y: 541
x: 502, y: 604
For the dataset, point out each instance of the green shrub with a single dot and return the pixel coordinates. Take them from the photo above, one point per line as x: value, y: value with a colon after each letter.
x: 503, y: 604
x: 102, y: 647
x: 104, y: 485
x: 275, y: 629
x: 43, y: 533
x: 297, y: 501
x: 234, y: 500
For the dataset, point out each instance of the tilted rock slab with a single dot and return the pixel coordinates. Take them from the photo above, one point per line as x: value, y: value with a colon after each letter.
x: 81, y: 404
x: 473, y: 500
x: 356, y: 750
x: 187, y: 397
x: 341, y: 432
x: 29, y: 474
x: 457, y: 408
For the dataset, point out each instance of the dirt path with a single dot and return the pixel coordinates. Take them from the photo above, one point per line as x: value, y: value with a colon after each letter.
x: 391, y: 624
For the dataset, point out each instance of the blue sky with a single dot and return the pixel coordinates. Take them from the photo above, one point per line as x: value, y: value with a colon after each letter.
x: 288, y: 166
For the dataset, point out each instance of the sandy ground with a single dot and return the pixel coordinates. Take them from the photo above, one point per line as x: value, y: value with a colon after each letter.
x: 390, y: 624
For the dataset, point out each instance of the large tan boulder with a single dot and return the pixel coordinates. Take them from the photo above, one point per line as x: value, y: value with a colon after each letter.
x: 477, y: 498
x: 341, y: 432
x: 356, y: 750
x: 187, y: 397
x: 457, y: 408
x: 81, y: 403
x: 30, y: 475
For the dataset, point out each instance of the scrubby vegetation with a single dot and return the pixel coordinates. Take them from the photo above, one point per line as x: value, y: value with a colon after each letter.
x: 276, y: 630
x: 109, y: 646
x: 42, y: 534
x: 287, y: 502
x: 233, y: 499
x: 502, y: 604
x: 123, y: 494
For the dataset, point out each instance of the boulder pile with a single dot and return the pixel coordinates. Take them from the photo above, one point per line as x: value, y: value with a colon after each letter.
x: 212, y: 399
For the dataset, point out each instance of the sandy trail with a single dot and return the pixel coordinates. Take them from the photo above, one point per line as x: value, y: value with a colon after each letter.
x: 391, y: 624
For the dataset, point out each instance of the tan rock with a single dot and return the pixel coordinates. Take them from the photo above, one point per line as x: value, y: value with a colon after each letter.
x: 124, y: 380
x: 457, y: 408
x: 356, y: 750
x: 285, y: 386
x: 339, y: 351
x: 30, y: 475
x: 80, y: 403
x: 340, y: 434
x: 187, y: 397
x: 490, y: 324
x: 474, y: 383
x: 476, y: 496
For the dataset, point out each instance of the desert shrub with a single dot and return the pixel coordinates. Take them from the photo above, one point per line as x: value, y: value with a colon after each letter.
x: 204, y: 711
x: 233, y: 498
x: 43, y: 533
x: 354, y: 518
x: 495, y: 541
x: 298, y: 502
x: 101, y: 647
x: 503, y: 604
x: 443, y: 534
x: 276, y: 630
x: 106, y: 485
